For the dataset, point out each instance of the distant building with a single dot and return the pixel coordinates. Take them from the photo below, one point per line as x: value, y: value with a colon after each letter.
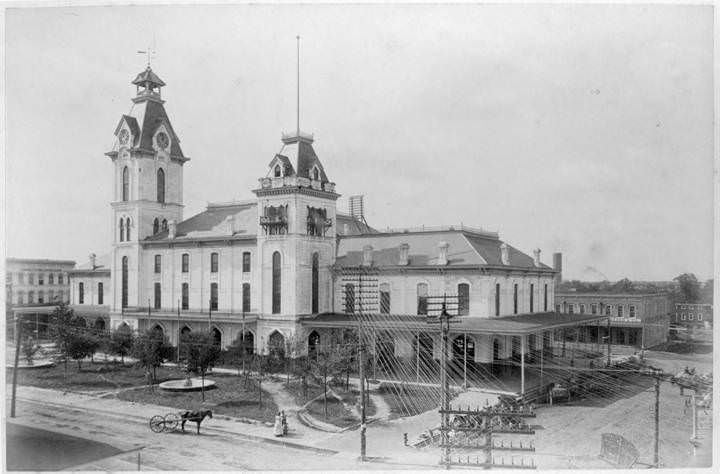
x: 641, y: 320
x: 37, y: 282
x: 90, y: 291
x: 693, y: 316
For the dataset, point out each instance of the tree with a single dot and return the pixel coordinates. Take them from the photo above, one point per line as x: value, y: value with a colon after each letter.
x: 689, y: 287
x: 151, y: 349
x: 623, y: 286
x: 239, y: 353
x: 64, y: 326
x: 81, y: 344
x: 121, y: 342
x: 201, y: 352
x: 325, y: 366
x: 29, y: 349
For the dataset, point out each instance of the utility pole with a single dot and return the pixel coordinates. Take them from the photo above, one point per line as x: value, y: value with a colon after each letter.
x: 178, y: 333
x: 209, y: 314
x: 18, y: 330
x: 363, y: 427
x: 608, y: 342
x: 444, y: 392
x: 242, y: 335
x: 656, y: 461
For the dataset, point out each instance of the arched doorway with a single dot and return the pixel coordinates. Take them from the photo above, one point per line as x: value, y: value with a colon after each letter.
x: 249, y: 339
x: 158, y: 330
x: 313, y: 344
x: 276, y: 345
x: 217, y: 336
x: 425, y: 367
x: 100, y: 324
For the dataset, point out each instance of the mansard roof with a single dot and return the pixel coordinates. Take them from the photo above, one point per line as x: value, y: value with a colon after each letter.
x: 348, y: 225
x: 235, y: 219
x: 298, y: 152
x: 466, y: 248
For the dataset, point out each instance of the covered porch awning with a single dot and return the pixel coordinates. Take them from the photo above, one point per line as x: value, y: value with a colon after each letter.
x: 518, y: 325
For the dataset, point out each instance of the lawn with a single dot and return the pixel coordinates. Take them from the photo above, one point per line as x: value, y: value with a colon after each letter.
x: 409, y: 400
x: 337, y: 414
x: 92, y: 376
x: 229, y: 398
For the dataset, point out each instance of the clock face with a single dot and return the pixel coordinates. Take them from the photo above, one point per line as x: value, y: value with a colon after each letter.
x: 162, y: 140
x: 124, y: 137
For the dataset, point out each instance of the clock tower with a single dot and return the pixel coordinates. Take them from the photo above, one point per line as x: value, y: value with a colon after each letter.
x: 147, y: 186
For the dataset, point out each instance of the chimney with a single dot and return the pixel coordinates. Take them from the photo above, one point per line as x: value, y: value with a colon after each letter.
x: 404, y: 251
x: 536, y: 259
x: 557, y: 266
x: 367, y: 255
x: 92, y: 261
x: 443, y: 253
x: 504, y: 254
x: 172, y: 228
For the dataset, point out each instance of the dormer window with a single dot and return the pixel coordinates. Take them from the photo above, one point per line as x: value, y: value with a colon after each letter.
x: 316, y: 173
x: 278, y: 171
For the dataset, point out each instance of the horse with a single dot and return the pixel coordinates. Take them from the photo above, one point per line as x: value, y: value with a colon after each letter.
x: 196, y: 416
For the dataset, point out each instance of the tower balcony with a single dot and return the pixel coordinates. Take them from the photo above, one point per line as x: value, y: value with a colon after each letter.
x: 295, y: 182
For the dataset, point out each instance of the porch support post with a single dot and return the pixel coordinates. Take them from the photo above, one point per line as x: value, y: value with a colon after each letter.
x: 522, y: 366
x: 417, y: 357
x: 465, y: 360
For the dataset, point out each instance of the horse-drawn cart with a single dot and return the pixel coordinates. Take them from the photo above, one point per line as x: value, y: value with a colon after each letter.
x: 169, y: 422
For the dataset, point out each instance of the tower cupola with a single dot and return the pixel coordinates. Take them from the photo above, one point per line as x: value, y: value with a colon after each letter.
x: 148, y: 85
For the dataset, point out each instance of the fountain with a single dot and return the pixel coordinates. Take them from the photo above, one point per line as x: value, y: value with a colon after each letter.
x: 187, y: 384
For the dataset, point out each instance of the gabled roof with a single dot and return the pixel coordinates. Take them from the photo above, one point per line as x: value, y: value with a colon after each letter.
x: 285, y: 162
x: 218, y: 220
x: 302, y: 158
x: 489, y: 248
x: 348, y: 225
x: 132, y: 125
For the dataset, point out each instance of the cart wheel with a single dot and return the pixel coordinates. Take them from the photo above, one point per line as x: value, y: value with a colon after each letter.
x: 157, y: 424
x: 171, y: 421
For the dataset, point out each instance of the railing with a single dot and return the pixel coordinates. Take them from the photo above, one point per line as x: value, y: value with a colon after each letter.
x: 462, y: 227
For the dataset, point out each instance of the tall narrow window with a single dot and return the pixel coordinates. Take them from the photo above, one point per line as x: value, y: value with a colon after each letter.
x: 158, y: 263
x: 213, y: 262
x: 122, y: 229
x: 545, y: 298
x: 620, y: 311
x: 497, y: 299
x: 385, y: 298
x: 532, y: 297
x: 582, y: 309
x: 214, y: 296
x: 246, y: 262
x: 156, y: 226
x: 60, y: 278
x: 246, y: 297
x: 81, y: 293
x: 276, y: 283
x: 124, y: 301
x: 158, y: 296
x: 315, y: 282
x: 185, y: 262
x: 164, y: 225
x: 515, y: 298
x: 31, y: 297
x: 125, y: 184
x: 41, y: 296
x: 31, y: 279
x: 278, y: 173
x: 185, y: 296
x: 632, y: 311
x: 127, y: 229
x: 463, y: 299
x: 51, y: 279
x: 349, y: 298
x: 101, y: 295
x: 422, y: 298
x: 160, y: 185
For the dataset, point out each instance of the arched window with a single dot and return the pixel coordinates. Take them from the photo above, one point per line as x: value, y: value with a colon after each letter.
x: 515, y: 298
x: 127, y: 229
x: 349, y: 298
x: 276, y: 283
x: 158, y: 263
x: 122, y: 229
x: 532, y: 299
x: 214, y: 296
x: 497, y: 299
x: 246, y: 297
x: 160, y: 185
x: 185, y: 263
x: 81, y: 293
x: 213, y: 262
x: 124, y: 300
x: 156, y: 226
x: 278, y: 171
x: 422, y: 298
x: 315, y: 282
x: 164, y: 225
x: 316, y: 174
x: 463, y: 299
x: 185, y: 296
x: 385, y: 298
x: 158, y: 295
x: 125, y: 184
x: 313, y: 344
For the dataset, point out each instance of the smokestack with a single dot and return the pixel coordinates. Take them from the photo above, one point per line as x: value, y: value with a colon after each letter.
x: 367, y: 255
x: 92, y: 261
x: 172, y: 229
x: 504, y: 254
x: 557, y: 266
x: 404, y: 251
x: 536, y: 259
x: 443, y: 253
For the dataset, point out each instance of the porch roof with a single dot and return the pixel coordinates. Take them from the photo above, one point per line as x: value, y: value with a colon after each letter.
x: 518, y: 325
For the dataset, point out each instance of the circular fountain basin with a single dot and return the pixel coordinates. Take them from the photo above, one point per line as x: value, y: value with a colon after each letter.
x: 187, y: 385
x: 37, y: 364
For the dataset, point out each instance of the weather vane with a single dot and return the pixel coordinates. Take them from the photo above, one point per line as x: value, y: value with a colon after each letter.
x: 150, y: 51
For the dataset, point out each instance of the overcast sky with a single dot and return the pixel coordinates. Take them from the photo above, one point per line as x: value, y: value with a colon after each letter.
x: 584, y: 129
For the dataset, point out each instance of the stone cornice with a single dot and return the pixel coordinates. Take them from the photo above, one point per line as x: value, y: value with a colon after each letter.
x: 295, y: 190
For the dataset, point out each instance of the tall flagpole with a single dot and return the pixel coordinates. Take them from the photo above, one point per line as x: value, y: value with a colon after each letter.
x: 298, y: 85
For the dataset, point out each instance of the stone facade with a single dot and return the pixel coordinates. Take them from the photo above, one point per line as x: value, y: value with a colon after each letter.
x: 31, y: 282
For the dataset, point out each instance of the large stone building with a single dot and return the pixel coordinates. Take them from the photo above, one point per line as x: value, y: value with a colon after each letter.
x: 287, y: 266
x: 636, y: 319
